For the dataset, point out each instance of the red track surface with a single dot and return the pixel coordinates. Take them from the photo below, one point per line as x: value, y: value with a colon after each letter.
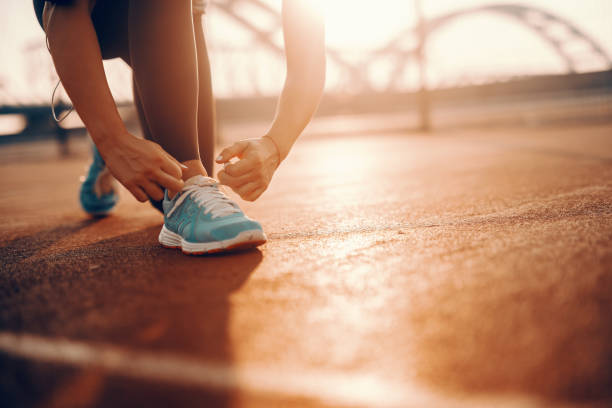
x: 459, y: 269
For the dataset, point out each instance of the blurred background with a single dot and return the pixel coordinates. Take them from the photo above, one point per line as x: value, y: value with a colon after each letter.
x: 440, y: 238
x: 392, y: 65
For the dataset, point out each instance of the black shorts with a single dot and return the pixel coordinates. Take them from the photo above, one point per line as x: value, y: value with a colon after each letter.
x: 110, y: 20
x: 199, y: 7
x: 39, y: 6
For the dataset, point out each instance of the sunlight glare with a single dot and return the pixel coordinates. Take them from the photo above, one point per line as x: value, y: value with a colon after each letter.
x: 359, y: 24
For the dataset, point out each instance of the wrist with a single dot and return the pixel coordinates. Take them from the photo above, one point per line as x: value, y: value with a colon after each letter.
x: 273, y: 146
x: 107, y: 139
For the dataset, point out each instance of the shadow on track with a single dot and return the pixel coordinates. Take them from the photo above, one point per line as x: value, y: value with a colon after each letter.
x: 19, y: 249
x: 129, y: 292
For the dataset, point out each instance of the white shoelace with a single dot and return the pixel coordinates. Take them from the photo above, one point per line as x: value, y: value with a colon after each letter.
x: 205, y: 193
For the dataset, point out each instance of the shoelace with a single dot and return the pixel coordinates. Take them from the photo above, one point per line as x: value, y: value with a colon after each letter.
x: 208, y: 196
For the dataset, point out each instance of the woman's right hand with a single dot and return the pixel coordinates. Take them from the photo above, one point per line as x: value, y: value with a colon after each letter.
x: 142, y: 166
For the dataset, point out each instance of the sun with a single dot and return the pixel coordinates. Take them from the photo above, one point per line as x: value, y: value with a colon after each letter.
x: 363, y: 24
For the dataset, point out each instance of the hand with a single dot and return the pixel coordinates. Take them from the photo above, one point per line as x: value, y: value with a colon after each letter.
x: 143, y: 167
x: 250, y: 176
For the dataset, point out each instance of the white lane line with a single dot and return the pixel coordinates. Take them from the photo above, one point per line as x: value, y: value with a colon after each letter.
x: 346, y: 389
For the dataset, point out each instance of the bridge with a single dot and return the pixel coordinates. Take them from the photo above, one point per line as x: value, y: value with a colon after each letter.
x: 569, y: 42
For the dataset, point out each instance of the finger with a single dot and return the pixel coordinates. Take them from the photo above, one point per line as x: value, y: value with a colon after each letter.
x: 254, y: 195
x: 138, y: 193
x: 241, y: 167
x: 173, y: 168
x: 167, y: 181
x: 232, y: 181
x: 153, y: 190
x: 246, y: 189
x: 234, y: 150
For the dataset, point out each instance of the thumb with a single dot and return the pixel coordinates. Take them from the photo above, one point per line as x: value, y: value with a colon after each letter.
x: 234, y: 150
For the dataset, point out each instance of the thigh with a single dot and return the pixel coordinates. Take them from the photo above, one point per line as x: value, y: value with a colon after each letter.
x: 110, y: 19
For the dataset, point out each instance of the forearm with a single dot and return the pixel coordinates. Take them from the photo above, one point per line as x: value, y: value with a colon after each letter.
x: 78, y: 62
x: 296, y: 106
x: 304, y: 34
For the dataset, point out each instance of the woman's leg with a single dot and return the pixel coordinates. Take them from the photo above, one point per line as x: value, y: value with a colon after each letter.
x: 206, y: 107
x: 115, y: 43
x: 111, y: 20
x: 163, y: 58
x: 142, y: 120
x: 146, y: 133
x: 206, y: 104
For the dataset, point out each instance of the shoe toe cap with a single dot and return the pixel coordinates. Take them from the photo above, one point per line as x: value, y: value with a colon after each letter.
x: 227, y: 230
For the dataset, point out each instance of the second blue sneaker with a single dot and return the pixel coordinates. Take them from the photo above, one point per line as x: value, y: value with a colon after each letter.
x: 201, y: 219
x: 98, y: 193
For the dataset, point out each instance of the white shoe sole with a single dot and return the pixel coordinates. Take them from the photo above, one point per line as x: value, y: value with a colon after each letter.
x: 244, y: 240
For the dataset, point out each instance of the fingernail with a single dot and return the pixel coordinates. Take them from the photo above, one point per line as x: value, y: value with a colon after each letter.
x: 219, y: 158
x: 183, y: 166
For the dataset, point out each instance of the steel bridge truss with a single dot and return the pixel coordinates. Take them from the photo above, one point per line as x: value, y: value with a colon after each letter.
x: 565, y: 38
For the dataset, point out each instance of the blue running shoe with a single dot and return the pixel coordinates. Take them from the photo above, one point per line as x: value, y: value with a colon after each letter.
x: 201, y: 219
x: 98, y: 193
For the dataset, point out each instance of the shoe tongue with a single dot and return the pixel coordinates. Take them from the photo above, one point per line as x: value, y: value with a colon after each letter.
x: 200, y: 181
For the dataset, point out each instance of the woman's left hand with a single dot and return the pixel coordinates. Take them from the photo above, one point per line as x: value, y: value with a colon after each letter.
x: 250, y: 176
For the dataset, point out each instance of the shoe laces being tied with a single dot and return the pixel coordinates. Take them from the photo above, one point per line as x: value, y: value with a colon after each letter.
x: 205, y: 192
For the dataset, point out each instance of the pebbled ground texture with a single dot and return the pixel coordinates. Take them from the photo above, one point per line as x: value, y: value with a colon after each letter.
x: 465, y: 268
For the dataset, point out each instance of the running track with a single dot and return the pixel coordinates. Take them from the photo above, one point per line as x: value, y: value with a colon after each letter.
x: 463, y: 269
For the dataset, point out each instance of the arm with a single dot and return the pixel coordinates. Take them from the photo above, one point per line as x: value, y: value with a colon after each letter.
x: 138, y: 164
x: 304, y: 33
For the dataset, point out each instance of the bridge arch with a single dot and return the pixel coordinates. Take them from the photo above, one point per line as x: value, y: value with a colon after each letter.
x: 540, y: 22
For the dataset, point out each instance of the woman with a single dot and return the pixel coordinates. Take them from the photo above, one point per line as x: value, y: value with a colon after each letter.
x: 172, y: 93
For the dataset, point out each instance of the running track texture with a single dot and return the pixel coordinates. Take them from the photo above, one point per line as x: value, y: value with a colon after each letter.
x: 460, y: 269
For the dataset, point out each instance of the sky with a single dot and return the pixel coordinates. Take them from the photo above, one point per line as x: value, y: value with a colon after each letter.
x: 478, y: 48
